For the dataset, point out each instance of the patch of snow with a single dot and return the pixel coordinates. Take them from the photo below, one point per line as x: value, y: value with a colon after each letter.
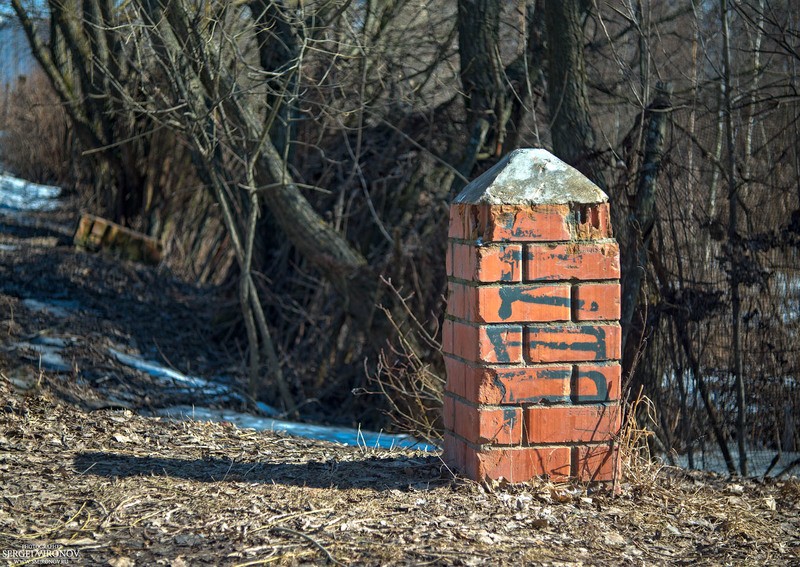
x: 267, y: 410
x: 170, y: 376
x: 56, y: 308
x: 20, y: 195
x: 344, y: 435
x: 49, y: 355
x: 8, y: 248
x: 49, y: 350
x: 55, y: 342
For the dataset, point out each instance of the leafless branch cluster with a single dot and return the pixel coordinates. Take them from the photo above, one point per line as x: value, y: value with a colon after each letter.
x: 321, y: 141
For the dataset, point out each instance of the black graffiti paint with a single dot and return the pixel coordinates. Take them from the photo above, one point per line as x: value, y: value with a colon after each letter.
x: 600, y: 384
x: 551, y: 374
x: 512, y: 258
x: 596, y: 347
x: 509, y: 417
x: 510, y: 294
x: 499, y: 343
x: 501, y: 386
x: 593, y: 306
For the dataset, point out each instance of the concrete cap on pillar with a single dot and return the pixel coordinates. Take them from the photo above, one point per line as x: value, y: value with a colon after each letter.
x: 531, y: 177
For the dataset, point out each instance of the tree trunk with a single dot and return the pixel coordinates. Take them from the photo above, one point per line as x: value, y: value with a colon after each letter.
x: 643, y: 215
x: 481, y: 74
x: 734, y: 246
x: 574, y: 139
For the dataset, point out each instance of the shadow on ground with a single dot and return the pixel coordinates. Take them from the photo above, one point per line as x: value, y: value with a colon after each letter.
x: 383, y: 473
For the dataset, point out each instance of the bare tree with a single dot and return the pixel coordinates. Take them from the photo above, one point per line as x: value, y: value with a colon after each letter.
x: 330, y: 135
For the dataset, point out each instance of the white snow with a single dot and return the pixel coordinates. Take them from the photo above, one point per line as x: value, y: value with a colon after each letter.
x: 60, y: 309
x: 347, y: 436
x: 20, y: 195
x: 169, y: 376
x: 48, y: 355
x: 344, y: 435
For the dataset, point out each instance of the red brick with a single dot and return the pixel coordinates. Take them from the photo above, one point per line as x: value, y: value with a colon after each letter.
x: 457, y: 300
x: 574, y: 260
x: 449, y: 448
x: 597, y: 383
x: 453, y: 451
x: 518, y: 464
x: 596, y: 302
x: 482, y: 424
x: 447, y: 336
x: 592, y: 222
x: 470, y: 462
x: 456, y: 376
x: 571, y: 424
x: 517, y: 385
x: 488, y: 263
x: 461, y: 220
x: 513, y: 303
x: 573, y: 343
x: 448, y: 258
x: 595, y: 463
x: 448, y: 412
x: 485, y: 343
x: 524, y: 223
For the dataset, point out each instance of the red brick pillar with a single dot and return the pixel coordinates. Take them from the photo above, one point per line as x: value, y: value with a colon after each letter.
x: 532, y: 335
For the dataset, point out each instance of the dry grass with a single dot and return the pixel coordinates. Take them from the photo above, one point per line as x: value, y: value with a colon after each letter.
x: 122, y: 490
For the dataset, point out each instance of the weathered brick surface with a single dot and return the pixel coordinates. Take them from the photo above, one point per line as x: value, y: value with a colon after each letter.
x: 448, y: 412
x: 483, y: 343
x: 595, y: 462
x: 573, y: 343
x: 596, y: 302
x: 520, y: 464
x: 531, y: 337
x: 461, y: 222
x: 490, y: 263
x: 518, y: 384
x: 573, y: 260
x: 457, y: 371
x: 571, y: 424
x: 453, y: 451
x: 486, y: 424
x: 592, y: 222
x: 524, y: 223
x: 509, y: 303
x: 533, y: 384
x: 596, y: 383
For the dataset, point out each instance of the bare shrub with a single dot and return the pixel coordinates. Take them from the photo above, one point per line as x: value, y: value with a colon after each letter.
x: 636, y: 437
x: 410, y: 384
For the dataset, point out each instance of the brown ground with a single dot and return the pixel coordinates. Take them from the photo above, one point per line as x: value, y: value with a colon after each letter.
x: 81, y: 473
x: 106, y: 304
x: 126, y: 490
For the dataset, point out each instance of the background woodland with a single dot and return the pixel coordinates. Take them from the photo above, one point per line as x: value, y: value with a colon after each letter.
x: 301, y: 156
